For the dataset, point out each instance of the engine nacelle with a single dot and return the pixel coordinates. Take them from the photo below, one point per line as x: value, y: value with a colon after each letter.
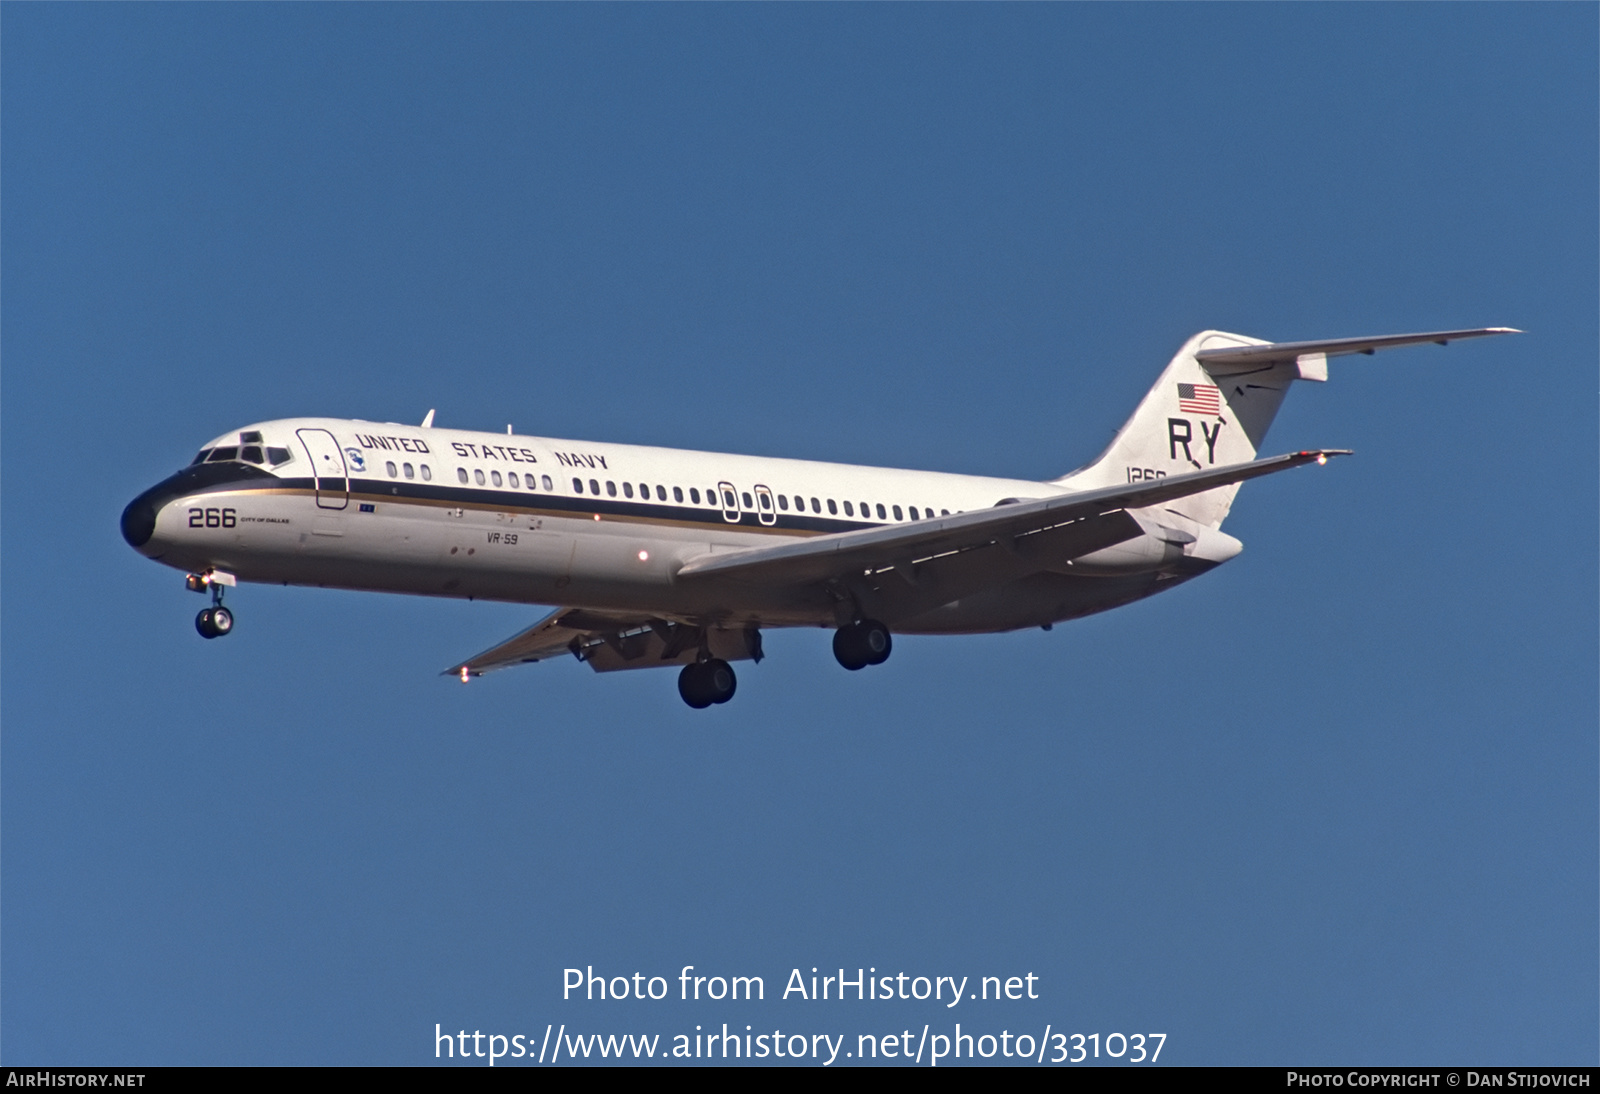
x: 1157, y: 547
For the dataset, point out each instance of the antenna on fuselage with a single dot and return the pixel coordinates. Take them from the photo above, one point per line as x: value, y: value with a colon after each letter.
x: 427, y: 423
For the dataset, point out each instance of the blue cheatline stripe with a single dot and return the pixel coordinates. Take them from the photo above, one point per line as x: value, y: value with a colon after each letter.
x: 584, y: 506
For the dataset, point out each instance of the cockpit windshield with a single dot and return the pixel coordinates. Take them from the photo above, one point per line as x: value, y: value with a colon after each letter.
x: 257, y: 453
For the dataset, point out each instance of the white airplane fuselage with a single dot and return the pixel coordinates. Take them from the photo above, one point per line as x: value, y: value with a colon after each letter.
x: 383, y: 507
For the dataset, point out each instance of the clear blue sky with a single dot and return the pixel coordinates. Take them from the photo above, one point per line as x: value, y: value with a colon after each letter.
x: 1335, y: 802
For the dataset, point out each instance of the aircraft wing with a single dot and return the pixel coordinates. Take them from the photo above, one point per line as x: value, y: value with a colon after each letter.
x: 1224, y: 362
x: 610, y: 641
x: 565, y: 630
x: 844, y: 553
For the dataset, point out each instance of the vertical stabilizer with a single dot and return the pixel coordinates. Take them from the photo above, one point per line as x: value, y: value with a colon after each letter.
x: 1192, y: 420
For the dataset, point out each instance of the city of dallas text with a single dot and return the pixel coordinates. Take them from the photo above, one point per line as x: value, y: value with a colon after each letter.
x: 866, y: 984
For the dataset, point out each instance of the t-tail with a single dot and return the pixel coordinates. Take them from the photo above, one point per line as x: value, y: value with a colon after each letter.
x: 1213, y: 405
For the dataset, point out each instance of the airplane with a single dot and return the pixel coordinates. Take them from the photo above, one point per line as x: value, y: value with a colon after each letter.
x: 657, y: 557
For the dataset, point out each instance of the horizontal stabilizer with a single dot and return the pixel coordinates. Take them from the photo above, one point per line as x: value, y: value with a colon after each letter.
x: 1233, y: 359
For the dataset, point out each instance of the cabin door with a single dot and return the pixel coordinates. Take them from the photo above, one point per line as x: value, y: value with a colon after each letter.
x: 765, y: 510
x: 328, y: 467
x: 730, y: 502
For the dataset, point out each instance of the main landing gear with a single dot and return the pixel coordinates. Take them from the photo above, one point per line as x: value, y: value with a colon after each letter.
x: 705, y: 682
x: 215, y: 621
x: 862, y: 643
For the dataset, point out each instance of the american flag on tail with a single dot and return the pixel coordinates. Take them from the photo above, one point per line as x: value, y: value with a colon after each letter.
x: 1199, y: 399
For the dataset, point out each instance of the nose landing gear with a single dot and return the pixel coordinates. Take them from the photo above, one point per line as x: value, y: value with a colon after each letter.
x: 215, y: 621
x: 865, y: 642
x: 705, y: 682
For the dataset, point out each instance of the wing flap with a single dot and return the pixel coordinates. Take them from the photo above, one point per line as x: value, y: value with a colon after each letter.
x: 903, y: 545
x: 1235, y: 359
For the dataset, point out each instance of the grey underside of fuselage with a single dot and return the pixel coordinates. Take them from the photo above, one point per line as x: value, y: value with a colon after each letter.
x: 614, y: 565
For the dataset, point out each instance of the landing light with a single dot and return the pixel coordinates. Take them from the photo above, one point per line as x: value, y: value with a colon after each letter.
x: 1322, y: 459
x: 465, y: 673
x: 644, y: 556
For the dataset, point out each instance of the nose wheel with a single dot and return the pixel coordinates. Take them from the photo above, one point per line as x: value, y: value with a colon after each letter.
x: 707, y: 682
x: 862, y: 643
x: 215, y: 621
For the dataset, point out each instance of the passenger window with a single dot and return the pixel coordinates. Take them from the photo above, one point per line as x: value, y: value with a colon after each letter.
x: 766, y: 501
x: 251, y: 454
x: 222, y: 453
x: 677, y: 493
x: 548, y: 485
x: 427, y: 473
x: 410, y: 471
x: 881, y: 514
x: 866, y: 510
x: 848, y: 511
x: 278, y: 456
x: 729, y: 501
x: 577, y: 486
x: 832, y: 508
x: 897, y: 513
x: 694, y: 495
x: 746, y: 496
x: 644, y: 491
x: 394, y: 471
x: 944, y: 512
x: 516, y: 483
x: 816, y: 506
x: 495, y: 475
x: 661, y: 492
x: 783, y: 503
x: 477, y: 475
x: 594, y: 487
x: 611, y: 488
x: 627, y: 489
x: 461, y: 474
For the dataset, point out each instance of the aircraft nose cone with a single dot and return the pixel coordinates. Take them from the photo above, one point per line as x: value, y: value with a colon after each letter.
x: 139, y: 521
